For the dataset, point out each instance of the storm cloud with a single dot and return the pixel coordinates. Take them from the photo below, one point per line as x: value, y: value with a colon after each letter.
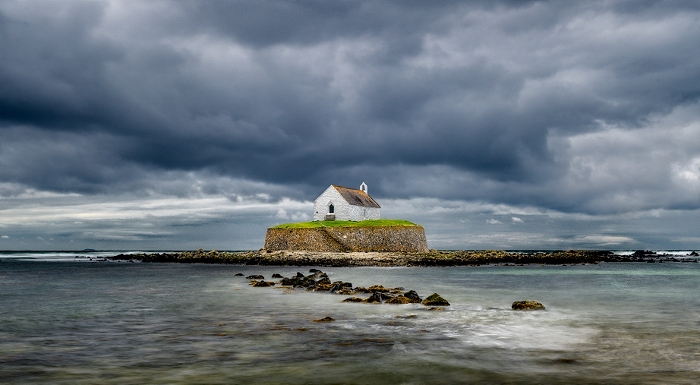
x: 582, y: 115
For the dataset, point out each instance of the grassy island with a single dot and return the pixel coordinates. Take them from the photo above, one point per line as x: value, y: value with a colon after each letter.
x: 368, y: 223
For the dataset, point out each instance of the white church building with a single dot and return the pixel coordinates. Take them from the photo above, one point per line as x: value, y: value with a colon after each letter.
x: 345, y: 204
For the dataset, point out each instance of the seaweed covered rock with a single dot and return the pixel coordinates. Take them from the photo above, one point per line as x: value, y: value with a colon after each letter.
x: 527, y: 305
x: 325, y: 319
x: 340, y: 287
x: 399, y: 300
x: 435, y: 300
x: 374, y: 298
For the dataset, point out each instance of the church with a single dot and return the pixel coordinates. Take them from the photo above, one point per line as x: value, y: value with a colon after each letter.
x: 338, y: 203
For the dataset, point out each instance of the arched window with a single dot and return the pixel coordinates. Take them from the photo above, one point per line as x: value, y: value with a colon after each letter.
x: 331, y: 209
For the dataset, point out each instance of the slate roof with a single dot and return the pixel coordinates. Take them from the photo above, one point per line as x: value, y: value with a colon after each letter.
x: 356, y: 197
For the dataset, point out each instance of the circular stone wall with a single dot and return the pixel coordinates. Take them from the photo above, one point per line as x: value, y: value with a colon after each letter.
x: 372, y: 238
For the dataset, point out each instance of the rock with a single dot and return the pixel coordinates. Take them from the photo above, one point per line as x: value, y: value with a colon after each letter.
x: 413, y: 296
x: 238, y: 275
x: 317, y: 275
x: 399, y: 300
x: 276, y: 275
x: 374, y: 298
x: 255, y: 276
x: 385, y: 297
x: 378, y: 288
x: 335, y: 287
x: 261, y: 284
x: 435, y: 300
x: 694, y: 254
x: 323, y: 287
x: 325, y: 319
x: 353, y: 299
x: 527, y: 305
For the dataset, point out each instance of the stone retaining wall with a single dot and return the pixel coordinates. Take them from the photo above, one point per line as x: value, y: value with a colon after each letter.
x: 341, y: 239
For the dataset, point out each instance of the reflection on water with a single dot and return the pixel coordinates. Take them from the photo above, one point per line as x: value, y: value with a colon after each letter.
x: 121, y: 323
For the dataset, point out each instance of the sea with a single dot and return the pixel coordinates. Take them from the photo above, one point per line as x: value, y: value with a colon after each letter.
x: 76, y: 318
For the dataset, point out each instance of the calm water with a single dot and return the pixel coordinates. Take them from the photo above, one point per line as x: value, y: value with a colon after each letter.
x: 67, y: 322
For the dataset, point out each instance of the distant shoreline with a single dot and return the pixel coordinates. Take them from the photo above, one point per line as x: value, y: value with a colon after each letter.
x: 389, y: 259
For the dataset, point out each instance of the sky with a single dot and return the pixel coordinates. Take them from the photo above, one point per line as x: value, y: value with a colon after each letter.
x: 172, y: 125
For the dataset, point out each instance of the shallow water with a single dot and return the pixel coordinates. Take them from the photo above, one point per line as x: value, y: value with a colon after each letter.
x: 115, y: 323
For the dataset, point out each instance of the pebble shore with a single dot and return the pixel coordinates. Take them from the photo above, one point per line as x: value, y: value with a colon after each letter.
x: 430, y: 258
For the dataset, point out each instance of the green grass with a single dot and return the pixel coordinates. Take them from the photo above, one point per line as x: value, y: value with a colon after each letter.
x: 369, y: 223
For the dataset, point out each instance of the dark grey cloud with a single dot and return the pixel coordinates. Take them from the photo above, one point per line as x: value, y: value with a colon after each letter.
x: 578, y: 108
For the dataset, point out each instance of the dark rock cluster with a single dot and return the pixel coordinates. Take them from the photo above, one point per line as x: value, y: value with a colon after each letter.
x: 319, y: 281
x: 375, y: 294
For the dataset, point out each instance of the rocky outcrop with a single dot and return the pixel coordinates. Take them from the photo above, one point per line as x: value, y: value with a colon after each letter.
x: 348, y: 239
x: 429, y: 258
x: 527, y: 305
x: 378, y: 294
x: 435, y: 300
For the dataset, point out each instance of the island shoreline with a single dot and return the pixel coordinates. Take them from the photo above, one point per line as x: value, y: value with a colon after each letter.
x: 396, y: 259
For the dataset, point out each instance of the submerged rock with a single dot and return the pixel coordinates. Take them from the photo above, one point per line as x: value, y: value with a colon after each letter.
x: 435, y: 300
x: 277, y: 275
x: 325, y: 319
x: 527, y: 305
x: 255, y: 276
